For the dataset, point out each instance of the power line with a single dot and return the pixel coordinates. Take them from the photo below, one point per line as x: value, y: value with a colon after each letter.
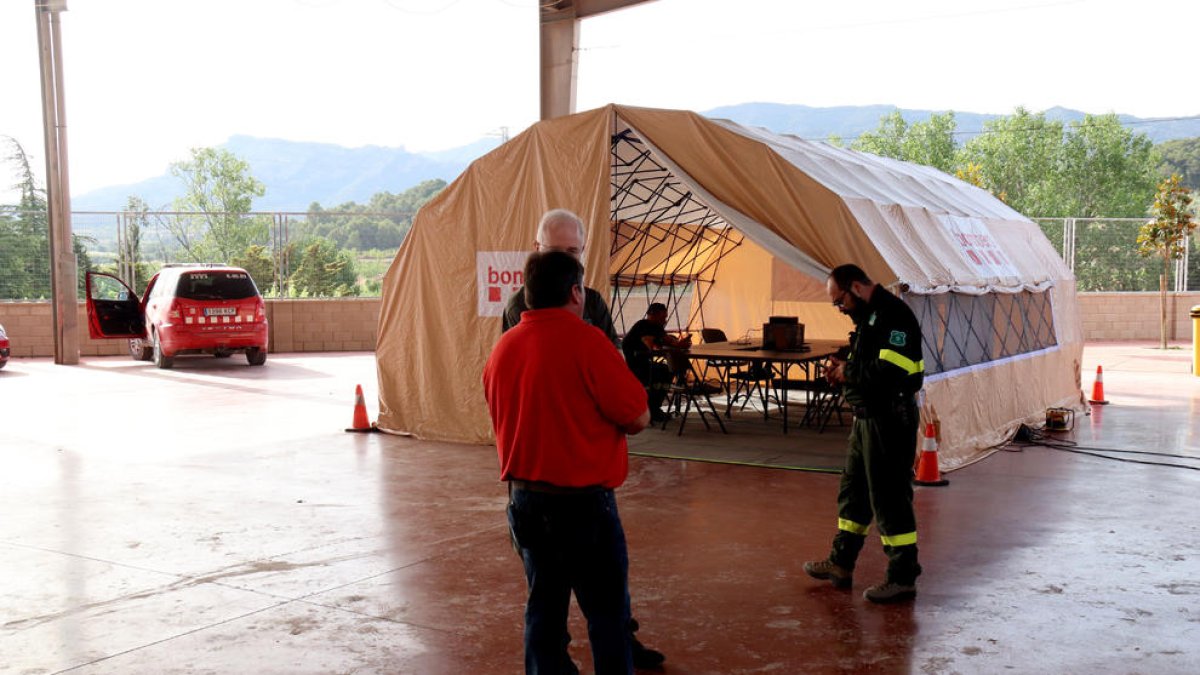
x: 758, y: 33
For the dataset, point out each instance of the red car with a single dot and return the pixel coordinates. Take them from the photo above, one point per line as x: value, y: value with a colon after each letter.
x: 3, y: 347
x: 186, y: 309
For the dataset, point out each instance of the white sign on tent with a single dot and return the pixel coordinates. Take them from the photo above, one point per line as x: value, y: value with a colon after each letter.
x: 979, y: 246
x: 498, y: 274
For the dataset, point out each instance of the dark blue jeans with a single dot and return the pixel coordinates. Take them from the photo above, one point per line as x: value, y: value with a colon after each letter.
x: 573, y: 542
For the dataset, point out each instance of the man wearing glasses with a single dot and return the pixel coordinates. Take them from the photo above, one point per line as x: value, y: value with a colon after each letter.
x: 879, y: 378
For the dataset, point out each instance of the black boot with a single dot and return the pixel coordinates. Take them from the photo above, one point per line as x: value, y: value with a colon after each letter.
x: 644, y: 658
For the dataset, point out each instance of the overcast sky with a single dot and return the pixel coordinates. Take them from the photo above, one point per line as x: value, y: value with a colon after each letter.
x: 146, y: 80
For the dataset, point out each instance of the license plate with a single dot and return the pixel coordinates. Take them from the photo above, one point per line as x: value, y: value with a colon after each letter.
x: 220, y: 311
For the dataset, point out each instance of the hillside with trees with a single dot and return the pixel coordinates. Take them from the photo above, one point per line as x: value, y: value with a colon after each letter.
x: 1094, y: 167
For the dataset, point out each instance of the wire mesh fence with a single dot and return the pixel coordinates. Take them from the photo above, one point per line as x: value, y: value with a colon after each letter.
x: 1103, y: 254
x: 320, y: 254
x: 338, y: 254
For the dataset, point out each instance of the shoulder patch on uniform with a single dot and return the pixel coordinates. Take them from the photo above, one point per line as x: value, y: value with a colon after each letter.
x: 898, y: 338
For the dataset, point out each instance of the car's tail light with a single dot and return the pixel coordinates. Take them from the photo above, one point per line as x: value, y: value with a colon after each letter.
x: 260, y: 311
x: 173, y: 312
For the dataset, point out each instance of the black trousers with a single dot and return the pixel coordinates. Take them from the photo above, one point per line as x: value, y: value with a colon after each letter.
x: 657, y: 379
x: 876, y: 486
x: 573, y: 543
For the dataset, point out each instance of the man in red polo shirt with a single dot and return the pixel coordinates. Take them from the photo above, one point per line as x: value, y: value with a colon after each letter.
x: 562, y: 402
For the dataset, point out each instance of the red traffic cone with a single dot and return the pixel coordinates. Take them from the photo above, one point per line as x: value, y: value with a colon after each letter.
x: 361, y: 423
x: 1098, y: 388
x: 928, y: 472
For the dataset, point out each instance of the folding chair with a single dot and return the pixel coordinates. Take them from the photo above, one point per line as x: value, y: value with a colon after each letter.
x: 687, y: 393
x: 722, y: 367
x: 741, y: 379
x: 824, y: 400
x: 833, y: 403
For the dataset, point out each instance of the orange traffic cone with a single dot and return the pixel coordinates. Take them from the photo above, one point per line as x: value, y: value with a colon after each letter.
x: 1098, y: 388
x: 361, y: 423
x: 928, y: 472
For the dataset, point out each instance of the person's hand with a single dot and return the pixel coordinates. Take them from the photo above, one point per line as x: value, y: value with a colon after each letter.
x: 834, y: 373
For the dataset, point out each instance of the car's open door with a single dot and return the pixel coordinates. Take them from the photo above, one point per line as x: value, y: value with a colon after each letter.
x: 113, y: 310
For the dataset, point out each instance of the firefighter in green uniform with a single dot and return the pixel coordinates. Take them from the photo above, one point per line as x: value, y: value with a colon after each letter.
x: 880, y: 379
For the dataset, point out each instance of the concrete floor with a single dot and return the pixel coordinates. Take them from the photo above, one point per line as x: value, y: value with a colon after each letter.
x: 215, y: 518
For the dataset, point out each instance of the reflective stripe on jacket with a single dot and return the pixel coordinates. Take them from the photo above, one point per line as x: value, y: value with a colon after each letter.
x: 885, y: 362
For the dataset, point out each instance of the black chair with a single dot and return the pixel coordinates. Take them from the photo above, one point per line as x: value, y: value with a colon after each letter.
x: 823, y: 400
x: 722, y: 367
x: 833, y: 402
x: 687, y: 393
x: 740, y: 378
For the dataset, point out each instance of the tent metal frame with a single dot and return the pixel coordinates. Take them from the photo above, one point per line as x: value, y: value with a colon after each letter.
x: 655, y: 215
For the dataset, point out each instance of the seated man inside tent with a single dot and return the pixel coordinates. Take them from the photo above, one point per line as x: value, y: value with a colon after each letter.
x: 648, y: 336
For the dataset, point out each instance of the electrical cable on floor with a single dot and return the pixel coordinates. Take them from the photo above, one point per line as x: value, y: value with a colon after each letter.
x: 1029, y: 437
x: 760, y: 465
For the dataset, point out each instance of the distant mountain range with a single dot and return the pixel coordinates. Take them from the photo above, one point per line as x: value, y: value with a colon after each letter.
x: 298, y: 174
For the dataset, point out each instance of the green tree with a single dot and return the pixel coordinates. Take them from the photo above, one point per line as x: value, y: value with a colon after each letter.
x: 930, y: 142
x: 259, y: 264
x: 83, y: 262
x: 324, y: 271
x: 130, y: 264
x: 1017, y: 158
x: 1105, y: 170
x: 220, y: 187
x: 888, y: 138
x: 25, y: 238
x: 1181, y: 156
x: 1166, y: 235
x: 1092, y: 168
x: 24, y: 234
x: 381, y: 223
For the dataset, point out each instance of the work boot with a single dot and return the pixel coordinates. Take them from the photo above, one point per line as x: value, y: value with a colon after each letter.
x: 839, y: 576
x: 644, y: 658
x: 890, y: 591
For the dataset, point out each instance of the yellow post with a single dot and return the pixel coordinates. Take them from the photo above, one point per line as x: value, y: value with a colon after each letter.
x: 1196, y: 340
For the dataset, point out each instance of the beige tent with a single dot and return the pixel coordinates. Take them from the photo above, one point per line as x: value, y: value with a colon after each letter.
x: 749, y: 222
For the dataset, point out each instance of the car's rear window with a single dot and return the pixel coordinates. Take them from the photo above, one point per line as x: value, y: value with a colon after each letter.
x: 215, y: 286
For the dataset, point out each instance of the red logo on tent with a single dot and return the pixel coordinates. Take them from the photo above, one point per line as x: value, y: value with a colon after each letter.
x: 493, y: 294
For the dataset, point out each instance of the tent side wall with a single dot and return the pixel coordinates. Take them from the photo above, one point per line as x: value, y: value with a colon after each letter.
x: 432, y: 339
x: 752, y: 285
x: 979, y: 409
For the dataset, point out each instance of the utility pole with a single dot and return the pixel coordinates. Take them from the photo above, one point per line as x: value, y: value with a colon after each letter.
x: 63, y: 266
x: 502, y: 133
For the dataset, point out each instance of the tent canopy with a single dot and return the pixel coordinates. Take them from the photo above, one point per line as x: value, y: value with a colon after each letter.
x: 748, y: 222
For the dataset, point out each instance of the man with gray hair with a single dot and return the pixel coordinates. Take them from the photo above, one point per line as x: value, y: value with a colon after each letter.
x: 562, y: 230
